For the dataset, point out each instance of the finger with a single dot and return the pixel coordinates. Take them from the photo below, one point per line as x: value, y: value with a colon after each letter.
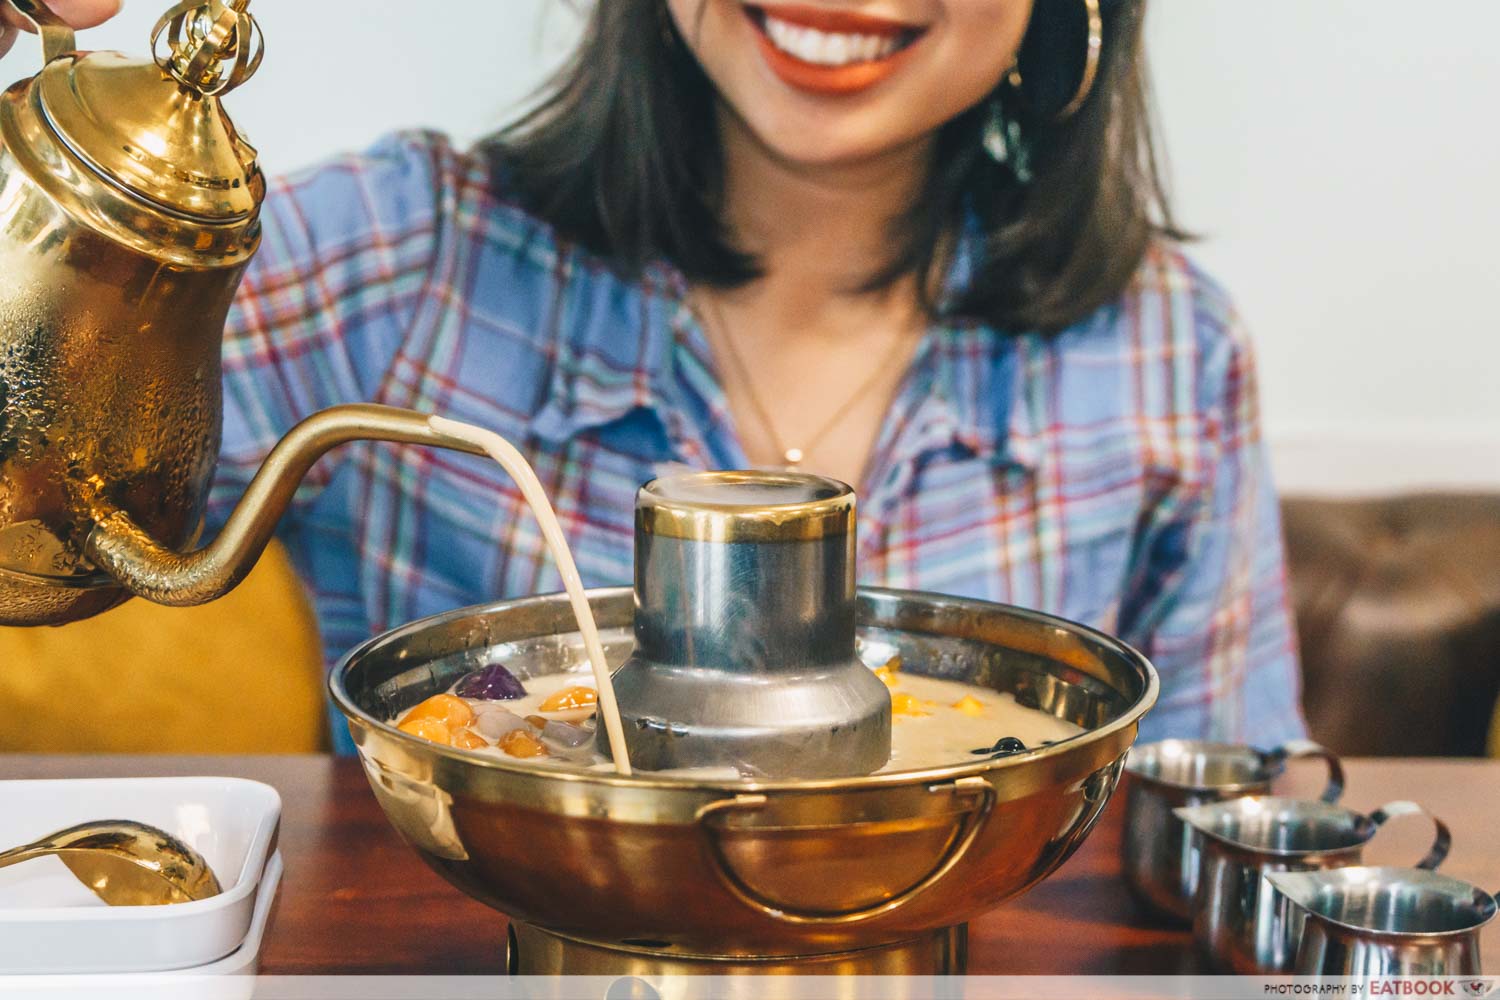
x: 85, y: 13
x: 78, y: 13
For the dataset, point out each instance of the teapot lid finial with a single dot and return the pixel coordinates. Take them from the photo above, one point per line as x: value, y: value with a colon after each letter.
x: 213, y: 46
x: 156, y: 132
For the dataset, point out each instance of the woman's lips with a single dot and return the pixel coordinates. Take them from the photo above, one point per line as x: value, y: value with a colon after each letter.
x: 830, y: 52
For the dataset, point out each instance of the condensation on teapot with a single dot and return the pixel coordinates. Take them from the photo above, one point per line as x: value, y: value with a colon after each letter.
x: 130, y: 208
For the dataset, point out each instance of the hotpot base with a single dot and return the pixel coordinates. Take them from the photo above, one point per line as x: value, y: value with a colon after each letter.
x: 531, y: 951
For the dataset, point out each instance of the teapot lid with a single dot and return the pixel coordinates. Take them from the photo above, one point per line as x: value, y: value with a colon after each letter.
x: 155, y: 127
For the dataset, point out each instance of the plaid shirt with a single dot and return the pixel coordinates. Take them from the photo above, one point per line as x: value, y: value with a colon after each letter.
x: 1113, y: 474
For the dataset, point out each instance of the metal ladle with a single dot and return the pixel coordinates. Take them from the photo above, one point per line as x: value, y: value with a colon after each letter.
x: 125, y: 863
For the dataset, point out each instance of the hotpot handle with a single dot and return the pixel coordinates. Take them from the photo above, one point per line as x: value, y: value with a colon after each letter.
x: 978, y: 793
x: 56, y: 34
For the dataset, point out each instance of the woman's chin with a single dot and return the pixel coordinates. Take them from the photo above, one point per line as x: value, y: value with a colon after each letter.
x: 822, y: 143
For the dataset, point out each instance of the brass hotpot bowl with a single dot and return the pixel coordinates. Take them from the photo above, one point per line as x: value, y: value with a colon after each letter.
x: 738, y: 869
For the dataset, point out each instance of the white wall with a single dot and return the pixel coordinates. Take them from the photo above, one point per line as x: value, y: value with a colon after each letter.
x: 1342, y: 160
x: 339, y: 73
x: 1339, y: 156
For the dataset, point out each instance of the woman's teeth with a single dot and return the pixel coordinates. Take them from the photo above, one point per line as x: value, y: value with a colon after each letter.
x: 825, y: 48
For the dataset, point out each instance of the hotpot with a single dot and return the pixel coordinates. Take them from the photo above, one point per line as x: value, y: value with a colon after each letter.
x: 654, y: 873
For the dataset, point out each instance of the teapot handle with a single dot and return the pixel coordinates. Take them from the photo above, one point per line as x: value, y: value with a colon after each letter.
x: 56, y: 34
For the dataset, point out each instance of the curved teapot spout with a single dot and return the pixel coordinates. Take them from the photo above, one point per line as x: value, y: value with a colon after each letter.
x: 148, y: 569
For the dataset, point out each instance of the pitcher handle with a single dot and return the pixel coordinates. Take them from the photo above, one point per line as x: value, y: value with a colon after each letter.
x: 981, y: 798
x: 1441, y: 841
x: 56, y: 34
x: 1297, y: 749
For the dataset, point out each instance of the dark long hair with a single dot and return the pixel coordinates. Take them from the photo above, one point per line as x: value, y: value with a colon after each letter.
x: 620, y: 154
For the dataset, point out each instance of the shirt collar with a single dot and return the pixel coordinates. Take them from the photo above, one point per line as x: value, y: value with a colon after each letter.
x: 978, y: 387
x: 613, y: 349
x: 979, y: 373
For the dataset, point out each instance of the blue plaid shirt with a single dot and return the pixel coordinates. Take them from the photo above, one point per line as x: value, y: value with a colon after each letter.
x: 1113, y: 474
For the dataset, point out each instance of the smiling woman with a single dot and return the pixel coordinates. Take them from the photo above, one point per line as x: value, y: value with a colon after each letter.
x: 606, y: 156
x: 915, y: 245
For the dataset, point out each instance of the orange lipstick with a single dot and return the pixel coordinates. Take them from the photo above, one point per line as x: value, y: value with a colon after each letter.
x: 818, y: 78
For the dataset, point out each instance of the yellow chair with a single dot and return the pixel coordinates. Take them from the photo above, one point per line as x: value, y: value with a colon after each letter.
x: 241, y: 675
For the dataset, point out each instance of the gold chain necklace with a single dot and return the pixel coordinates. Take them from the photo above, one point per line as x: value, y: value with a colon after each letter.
x: 792, y: 457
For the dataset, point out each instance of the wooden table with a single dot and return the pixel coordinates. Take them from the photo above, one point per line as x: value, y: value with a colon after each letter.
x: 356, y: 900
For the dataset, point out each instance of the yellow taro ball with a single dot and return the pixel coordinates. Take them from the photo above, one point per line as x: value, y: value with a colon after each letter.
x: 970, y: 705
x: 520, y: 743
x: 569, y: 698
x: 452, y: 712
x: 467, y: 739
x: 905, y: 704
x: 432, y: 730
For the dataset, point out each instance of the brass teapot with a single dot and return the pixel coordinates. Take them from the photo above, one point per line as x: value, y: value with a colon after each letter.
x: 129, y: 208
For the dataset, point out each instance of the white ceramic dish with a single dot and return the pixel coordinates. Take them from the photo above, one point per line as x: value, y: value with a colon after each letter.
x: 227, y: 979
x: 51, y: 923
x: 245, y: 960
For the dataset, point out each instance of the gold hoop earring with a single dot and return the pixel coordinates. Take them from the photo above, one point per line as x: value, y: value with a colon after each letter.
x: 1092, y: 57
x: 1090, y: 62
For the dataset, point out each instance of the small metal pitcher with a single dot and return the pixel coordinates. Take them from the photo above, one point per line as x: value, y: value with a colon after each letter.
x: 1161, y: 853
x: 1362, y: 922
x: 1239, y: 922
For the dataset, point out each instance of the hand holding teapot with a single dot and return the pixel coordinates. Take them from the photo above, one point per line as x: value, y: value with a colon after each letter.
x: 78, y: 13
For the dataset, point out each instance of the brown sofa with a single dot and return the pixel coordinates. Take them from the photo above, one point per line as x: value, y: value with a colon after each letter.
x: 1398, y: 612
